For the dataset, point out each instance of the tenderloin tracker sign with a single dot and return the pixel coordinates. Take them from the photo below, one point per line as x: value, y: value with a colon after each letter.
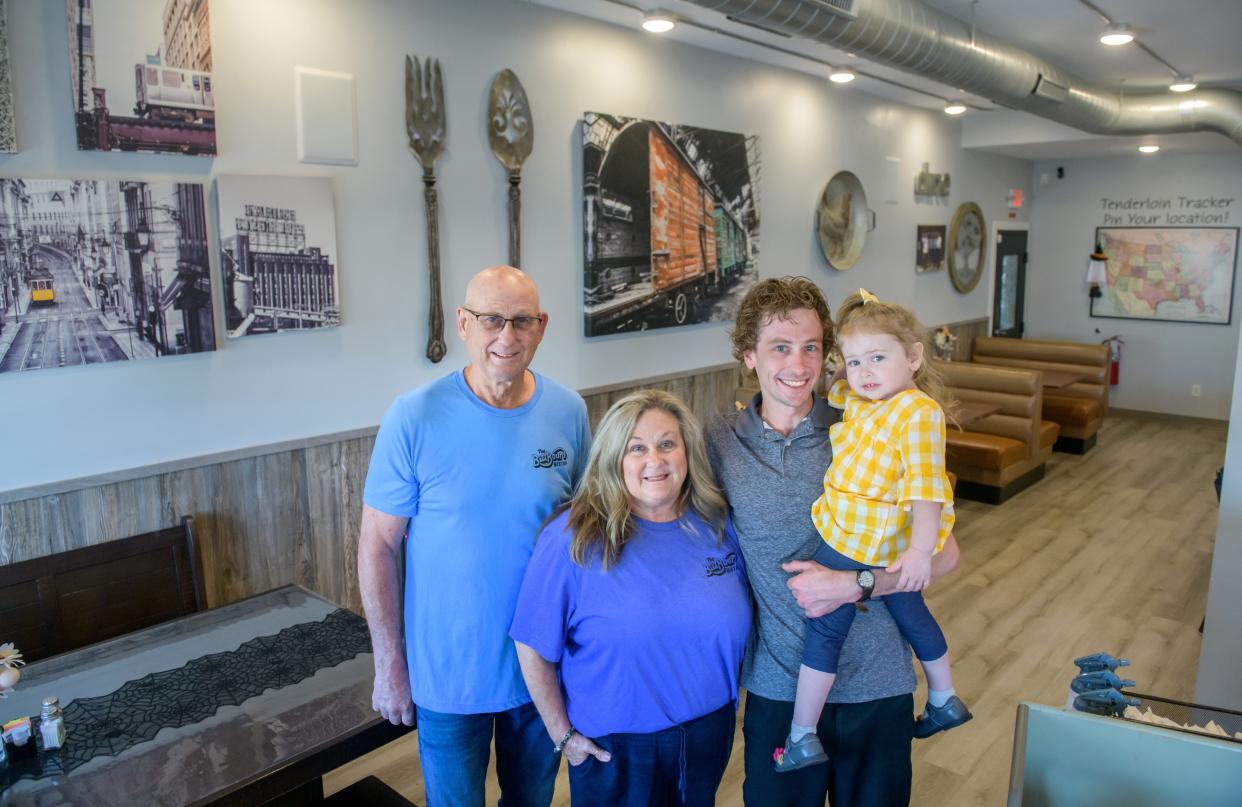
x: 1176, y: 211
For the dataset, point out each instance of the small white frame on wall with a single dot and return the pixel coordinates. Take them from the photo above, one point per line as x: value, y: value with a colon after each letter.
x: 327, y: 125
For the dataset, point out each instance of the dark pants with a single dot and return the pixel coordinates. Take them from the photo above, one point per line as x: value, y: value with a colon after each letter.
x: 826, y: 634
x: 680, y: 765
x: 868, y: 747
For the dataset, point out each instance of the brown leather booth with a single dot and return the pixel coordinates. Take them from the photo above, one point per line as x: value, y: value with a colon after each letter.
x: 1001, y: 454
x: 1078, y: 408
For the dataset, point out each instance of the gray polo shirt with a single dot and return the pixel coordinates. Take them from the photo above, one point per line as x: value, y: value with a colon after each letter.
x: 771, y: 482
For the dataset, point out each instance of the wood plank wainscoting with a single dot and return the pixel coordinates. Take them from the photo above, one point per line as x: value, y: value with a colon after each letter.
x: 265, y: 517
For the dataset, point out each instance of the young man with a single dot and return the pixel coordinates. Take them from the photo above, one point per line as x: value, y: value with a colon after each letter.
x: 770, y: 460
x: 469, y: 466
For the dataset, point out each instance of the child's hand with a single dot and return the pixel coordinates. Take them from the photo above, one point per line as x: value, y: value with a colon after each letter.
x: 915, y: 568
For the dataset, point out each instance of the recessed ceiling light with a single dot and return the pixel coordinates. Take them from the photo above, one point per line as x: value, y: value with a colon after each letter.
x: 842, y: 76
x: 1183, y: 84
x: 658, y: 22
x: 1117, y: 33
x: 954, y: 109
x: 1149, y: 149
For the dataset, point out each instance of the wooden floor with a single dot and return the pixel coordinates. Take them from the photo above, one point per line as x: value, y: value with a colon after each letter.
x: 1111, y: 551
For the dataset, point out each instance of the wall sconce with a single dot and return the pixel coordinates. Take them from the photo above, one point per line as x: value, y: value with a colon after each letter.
x: 1097, y: 272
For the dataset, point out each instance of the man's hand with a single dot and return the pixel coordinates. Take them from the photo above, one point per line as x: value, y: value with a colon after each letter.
x: 820, y: 590
x: 391, y: 695
x: 914, y: 566
x: 578, y: 748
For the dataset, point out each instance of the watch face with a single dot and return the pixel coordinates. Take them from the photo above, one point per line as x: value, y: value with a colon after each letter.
x: 866, y: 579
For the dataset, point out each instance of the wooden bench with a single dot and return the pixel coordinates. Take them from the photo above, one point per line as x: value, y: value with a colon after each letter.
x: 1078, y: 408
x: 1005, y: 452
x: 56, y: 603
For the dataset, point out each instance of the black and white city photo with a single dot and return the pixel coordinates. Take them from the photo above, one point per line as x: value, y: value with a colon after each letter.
x: 96, y: 271
x: 672, y: 223
x: 140, y: 71
x: 278, y: 237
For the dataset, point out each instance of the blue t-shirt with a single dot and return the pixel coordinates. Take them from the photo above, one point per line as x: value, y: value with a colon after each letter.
x: 654, y: 641
x: 476, y: 482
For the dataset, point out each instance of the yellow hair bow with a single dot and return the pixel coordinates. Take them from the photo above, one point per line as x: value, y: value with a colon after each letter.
x: 867, y: 296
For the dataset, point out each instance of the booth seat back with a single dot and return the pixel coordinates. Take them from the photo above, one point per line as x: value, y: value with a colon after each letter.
x: 1017, y: 392
x: 1090, y: 360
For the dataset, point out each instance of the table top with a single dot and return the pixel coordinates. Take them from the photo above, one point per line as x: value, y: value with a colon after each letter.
x: 203, y: 707
x: 971, y: 412
x: 1061, y: 378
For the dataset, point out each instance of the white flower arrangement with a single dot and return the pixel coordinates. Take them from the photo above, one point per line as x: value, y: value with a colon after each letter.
x: 10, y: 660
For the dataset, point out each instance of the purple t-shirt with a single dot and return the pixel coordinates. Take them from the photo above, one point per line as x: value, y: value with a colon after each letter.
x: 654, y: 641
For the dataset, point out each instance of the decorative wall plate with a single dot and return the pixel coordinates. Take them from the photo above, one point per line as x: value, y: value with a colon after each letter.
x: 967, y: 247
x: 842, y: 220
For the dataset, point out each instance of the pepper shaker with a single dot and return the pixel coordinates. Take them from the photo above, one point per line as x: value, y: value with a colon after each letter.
x: 52, y: 724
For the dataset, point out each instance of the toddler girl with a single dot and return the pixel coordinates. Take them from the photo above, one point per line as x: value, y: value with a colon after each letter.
x: 886, y: 503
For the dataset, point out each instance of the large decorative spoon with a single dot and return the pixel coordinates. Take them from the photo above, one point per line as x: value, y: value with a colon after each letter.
x: 511, y: 133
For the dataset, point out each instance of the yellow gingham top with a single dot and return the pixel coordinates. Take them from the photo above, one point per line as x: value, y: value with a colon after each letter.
x: 885, y: 454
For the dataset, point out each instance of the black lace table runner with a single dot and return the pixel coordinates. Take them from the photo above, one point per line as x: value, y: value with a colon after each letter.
x: 107, y: 725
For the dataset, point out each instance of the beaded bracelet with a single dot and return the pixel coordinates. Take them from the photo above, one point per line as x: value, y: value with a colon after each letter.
x: 556, y: 749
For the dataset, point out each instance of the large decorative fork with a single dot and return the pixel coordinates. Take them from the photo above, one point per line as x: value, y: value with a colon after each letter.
x: 425, y: 125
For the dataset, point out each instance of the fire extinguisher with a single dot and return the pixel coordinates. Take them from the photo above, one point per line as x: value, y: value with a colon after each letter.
x: 1114, y: 364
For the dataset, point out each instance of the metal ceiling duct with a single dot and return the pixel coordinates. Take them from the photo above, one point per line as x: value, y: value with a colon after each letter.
x: 909, y: 35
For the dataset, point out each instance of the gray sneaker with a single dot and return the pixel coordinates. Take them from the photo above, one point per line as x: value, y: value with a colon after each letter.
x: 941, y: 718
x: 804, y: 753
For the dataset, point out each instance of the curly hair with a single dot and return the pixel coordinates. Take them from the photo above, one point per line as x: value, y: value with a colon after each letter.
x: 874, y: 316
x: 775, y: 298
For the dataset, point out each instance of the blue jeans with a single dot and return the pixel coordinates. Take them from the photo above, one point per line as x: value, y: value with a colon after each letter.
x: 679, y: 765
x: 826, y: 634
x: 454, y: 751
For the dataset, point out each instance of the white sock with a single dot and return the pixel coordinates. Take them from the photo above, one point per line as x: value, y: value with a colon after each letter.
x: 939, y: 697
x: 796, y: 732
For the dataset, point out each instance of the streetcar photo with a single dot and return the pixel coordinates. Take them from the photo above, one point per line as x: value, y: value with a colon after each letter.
x: 42, y: 287
x: 174, y: 94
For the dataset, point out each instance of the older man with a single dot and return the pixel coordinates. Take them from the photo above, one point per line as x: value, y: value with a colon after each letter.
x: 467, y: 468
x: 770, y: 460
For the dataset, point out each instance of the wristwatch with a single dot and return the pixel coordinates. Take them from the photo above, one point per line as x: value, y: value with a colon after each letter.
x: 866, y: 581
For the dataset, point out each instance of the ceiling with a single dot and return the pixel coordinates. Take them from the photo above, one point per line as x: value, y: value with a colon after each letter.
x: 1197, y: 37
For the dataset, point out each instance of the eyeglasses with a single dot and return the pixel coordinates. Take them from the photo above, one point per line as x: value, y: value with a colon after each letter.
x: 494, y: 323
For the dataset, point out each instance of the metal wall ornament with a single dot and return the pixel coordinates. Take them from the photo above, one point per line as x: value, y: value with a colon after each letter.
x: 425, y: 124
x: 928, y: 184
x: 842, y: 220
x: 967, y: 247
x: 511, y: 134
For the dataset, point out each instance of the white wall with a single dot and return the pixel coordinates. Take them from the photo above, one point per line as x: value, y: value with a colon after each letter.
x: 1220, y: 657
x: 288, y: 386
x: 1160, y: 360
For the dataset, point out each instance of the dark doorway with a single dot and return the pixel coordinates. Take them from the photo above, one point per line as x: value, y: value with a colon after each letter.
x: 1009, y: 309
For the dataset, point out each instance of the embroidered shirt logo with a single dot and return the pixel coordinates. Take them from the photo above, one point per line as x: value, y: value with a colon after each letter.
x: 558, y: 458
x: 719, y: 566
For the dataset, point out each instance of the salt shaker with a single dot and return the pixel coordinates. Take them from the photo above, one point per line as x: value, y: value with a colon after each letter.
x: 52, y: 724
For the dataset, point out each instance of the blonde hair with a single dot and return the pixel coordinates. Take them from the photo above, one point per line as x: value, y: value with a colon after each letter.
x: 874, y: 316
x: 600, y: 517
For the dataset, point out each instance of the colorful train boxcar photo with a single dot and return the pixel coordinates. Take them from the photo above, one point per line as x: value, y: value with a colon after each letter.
x: 672, y: 223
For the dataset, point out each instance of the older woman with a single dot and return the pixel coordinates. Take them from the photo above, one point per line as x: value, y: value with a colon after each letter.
x: 637, y: 592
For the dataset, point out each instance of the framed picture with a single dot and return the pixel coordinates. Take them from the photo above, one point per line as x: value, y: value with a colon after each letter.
x: 140, y: 73
x: 967, y: 249
x: 929, y: 248
x: 1176, y: 274
x: 8, y: 124
x: 278, y: 239
x: 672, y: 223
x: 95, y: 271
